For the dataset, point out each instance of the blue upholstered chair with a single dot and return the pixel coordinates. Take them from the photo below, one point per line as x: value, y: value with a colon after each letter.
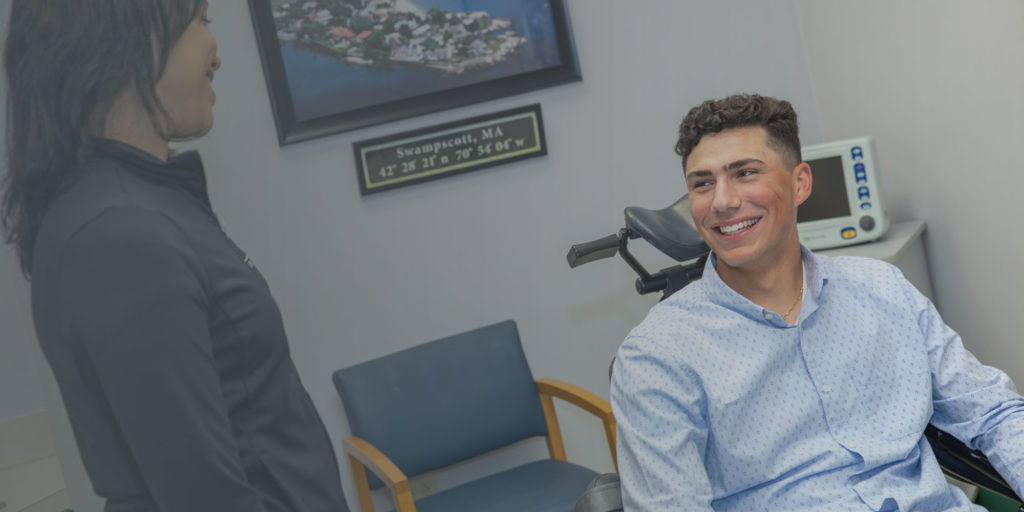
x: 451, y: 399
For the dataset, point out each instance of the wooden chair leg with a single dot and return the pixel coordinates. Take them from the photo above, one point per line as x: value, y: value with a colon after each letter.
x: 362, y: 484
x: 555, y: 445
x: 403, y: 500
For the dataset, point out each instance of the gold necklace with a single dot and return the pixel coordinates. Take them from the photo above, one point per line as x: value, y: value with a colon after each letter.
x: 798, y: 299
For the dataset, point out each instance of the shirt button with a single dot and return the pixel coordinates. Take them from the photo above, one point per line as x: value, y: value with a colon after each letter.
x: 826, y: 389
x: 767, y: 316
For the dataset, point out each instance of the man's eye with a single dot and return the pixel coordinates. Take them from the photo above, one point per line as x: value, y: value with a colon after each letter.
x: 699, y: 184
x: 746, y: 172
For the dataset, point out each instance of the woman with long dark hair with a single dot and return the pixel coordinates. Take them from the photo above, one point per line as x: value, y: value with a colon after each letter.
x: 166, y: 344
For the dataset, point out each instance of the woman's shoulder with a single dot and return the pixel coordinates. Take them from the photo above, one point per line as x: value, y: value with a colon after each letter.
x: 102, y: 196
x: 99, y: 229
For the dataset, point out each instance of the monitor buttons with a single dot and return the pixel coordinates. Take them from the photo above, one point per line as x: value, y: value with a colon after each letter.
x: 867, y: 223
x: 863, y: 193
x: 865, y: 206
x: 848, y: 233
x: 857, y: 153
x: 860, y: 174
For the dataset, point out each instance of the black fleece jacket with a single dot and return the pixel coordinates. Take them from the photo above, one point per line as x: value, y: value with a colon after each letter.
x: 169, y: 350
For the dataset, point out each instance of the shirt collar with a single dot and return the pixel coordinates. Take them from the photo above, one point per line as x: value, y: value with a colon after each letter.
x: 816, y: 275
x: 183, y: 170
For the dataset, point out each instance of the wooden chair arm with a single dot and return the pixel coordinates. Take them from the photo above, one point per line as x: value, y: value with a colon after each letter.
x: 577, y: 396
x: 361, y: 456
x: 581, y: 398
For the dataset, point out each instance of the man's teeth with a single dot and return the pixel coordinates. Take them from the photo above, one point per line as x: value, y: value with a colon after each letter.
x: 732, y: 228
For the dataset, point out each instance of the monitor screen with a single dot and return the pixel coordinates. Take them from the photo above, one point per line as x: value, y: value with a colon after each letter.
x: 828, y: 196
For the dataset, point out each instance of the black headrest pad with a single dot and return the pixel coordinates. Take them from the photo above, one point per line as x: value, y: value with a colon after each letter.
x: 669, y: 230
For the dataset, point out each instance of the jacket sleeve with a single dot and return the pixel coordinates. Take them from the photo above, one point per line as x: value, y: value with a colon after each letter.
x: 133, y: 296
x: 662, y: 431
x: 977, y: 404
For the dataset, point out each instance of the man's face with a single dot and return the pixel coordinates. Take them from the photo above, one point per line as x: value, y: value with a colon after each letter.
x: 743, y: 197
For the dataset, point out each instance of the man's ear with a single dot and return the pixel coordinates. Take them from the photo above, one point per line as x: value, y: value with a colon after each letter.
x: 802, y: 181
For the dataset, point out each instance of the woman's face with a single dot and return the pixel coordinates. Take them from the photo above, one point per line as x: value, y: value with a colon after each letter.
x: 185, y: 89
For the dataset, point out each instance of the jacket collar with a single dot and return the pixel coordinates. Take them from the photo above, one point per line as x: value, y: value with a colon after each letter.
x: 183, y: 170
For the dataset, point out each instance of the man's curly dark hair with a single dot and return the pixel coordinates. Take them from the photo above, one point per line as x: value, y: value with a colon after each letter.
x: 776, y: 116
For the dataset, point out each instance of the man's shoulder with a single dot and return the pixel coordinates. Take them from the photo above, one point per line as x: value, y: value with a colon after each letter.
x: 855, y: 269
x: 851, y: 282
x: 680, y: 316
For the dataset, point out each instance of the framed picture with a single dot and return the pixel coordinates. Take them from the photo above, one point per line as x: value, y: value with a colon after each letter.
x: 338, y: 65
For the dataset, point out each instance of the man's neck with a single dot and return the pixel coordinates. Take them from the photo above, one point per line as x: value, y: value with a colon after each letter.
x: 775, y: 286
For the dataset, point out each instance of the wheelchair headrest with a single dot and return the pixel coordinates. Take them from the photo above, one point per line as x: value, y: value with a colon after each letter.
x: 670, y: 230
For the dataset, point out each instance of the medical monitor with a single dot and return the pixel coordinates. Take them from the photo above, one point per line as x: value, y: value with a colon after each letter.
x: 845, y: 206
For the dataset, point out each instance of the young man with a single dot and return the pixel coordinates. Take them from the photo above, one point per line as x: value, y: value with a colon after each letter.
x: 786, y: 380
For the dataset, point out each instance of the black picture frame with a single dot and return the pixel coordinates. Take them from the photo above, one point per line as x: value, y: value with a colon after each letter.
x: 307, y: 122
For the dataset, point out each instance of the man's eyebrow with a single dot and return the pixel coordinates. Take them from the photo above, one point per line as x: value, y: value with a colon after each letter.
x: 742, y: 163
x: 738, y: 164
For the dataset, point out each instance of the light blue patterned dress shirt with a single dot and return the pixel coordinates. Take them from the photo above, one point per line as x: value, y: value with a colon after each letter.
x: 723, y: 405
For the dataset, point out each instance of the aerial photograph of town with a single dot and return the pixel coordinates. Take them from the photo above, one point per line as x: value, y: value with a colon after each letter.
x: 342, y: 55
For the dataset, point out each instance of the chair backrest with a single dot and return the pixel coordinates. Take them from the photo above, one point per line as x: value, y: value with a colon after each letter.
x: 447, y: 400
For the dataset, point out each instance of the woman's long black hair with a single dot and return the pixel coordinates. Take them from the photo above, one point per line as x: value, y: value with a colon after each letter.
x: 66, y: 62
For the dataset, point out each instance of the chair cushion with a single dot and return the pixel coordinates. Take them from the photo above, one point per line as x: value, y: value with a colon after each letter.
x: 444, y: 401
x: 541, y: 486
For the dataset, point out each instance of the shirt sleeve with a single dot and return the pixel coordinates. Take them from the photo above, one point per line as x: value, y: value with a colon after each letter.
x: 662, y: 431
x: 977, y: 404
x: 133, y: 296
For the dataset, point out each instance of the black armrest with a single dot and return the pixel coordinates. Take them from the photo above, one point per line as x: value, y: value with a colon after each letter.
x: 971, y: 466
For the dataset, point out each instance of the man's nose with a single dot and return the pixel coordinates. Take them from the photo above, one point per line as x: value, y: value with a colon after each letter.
x: 726, y: 197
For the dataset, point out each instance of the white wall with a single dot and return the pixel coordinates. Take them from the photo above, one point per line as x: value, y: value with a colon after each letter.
x: 939, y: 84
x: 358, y: 278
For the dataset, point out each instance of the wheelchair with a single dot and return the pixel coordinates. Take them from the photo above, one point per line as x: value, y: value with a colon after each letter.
x: 671, y: 231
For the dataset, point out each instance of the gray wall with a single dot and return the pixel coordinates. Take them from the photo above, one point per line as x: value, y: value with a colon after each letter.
x: 938, y: 83
x: 358, y: 278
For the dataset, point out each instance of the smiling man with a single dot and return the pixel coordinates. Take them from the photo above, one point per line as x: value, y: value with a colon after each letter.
x: 785, y: 380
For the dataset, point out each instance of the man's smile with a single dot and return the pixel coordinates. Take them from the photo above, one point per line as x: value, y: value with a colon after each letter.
x: 732, y: 229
